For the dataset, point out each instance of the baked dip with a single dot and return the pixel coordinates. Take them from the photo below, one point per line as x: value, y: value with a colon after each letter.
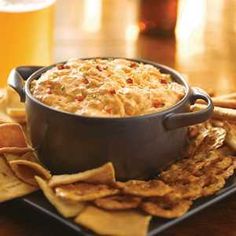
x: 107, y: 88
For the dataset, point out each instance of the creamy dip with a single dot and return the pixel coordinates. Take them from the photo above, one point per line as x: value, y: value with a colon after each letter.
x: 107, y: 88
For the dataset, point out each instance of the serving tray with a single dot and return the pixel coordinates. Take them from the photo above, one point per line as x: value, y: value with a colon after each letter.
x: 38, y: 202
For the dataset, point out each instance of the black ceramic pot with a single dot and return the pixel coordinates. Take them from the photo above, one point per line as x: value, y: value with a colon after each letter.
x: 138, y: 146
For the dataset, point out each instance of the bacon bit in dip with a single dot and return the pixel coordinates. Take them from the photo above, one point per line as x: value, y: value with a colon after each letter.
x: 133, y: 64
x: 129, y: 81
x: 49, y: 90
x: 99, y: 68
x: 157, y: 104
x: 109, y: 110
x: 85, y: 81
x: 79, y: 98
x: 62, y: 67
x: 163, y: 81
x: 112, y: 91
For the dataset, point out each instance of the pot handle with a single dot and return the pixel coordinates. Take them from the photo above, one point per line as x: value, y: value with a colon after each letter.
x: 174, y: 121
x: 17, y: 77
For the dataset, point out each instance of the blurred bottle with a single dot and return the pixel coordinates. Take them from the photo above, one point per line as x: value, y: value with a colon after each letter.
x: 158, y: 17
x: 26, y: 34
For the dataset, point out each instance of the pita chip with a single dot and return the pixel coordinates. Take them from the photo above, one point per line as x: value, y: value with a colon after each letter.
x: 28, y: 156
x: 65, y: 208
x: 84, y: 191
x: 10, y: 186
x: 13, y: 98
x: 18, y: 114
x: 129, y: 222
x: 101, y: 175
x: 5, y: 118
x: 27, y: 170
x: 12, y: 139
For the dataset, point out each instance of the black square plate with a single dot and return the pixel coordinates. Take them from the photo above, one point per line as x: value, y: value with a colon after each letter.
x: 39, y: 202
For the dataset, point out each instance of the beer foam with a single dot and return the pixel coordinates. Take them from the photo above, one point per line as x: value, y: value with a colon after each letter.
x: 24, y: 5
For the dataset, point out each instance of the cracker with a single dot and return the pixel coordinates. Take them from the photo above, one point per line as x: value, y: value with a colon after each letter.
x: 141, y: 188
x: 165, y: 209
x: 118, y: 202
x: 207, y: 140
x: 230, y: 139
x: 213, y: 184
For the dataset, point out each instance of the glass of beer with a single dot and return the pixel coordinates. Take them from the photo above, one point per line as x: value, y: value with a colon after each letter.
x: 158, y: 17
x: 26, y: 34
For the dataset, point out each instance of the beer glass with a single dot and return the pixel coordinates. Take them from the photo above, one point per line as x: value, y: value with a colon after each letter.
x: 158, y: 17
x: 26, y: 34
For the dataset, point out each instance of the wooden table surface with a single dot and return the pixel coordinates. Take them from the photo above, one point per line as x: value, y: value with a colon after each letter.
x: 204, y: 49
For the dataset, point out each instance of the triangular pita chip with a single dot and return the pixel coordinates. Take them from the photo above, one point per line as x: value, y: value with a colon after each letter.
x: 29, y: 156
x: 13, y: 99
x: 15, y: 150
x: 101, y: 175
x: 18, y: 114
x: 27, y: 170
x: 10, y: 186
x: 12, y: 139
x: 129, y: 222
x: 65, y: 208
x: 5, y: 118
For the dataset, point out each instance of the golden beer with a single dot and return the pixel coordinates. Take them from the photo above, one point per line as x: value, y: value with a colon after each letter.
x: 26, y: 34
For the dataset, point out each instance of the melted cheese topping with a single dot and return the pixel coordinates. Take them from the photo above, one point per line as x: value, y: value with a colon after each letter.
x: 107, y: 88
